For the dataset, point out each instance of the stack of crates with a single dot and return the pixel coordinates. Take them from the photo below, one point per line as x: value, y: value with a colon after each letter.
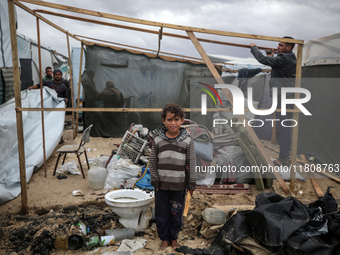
x: 132, y: 147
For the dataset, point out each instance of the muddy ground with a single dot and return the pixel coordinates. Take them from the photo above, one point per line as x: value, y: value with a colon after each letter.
x: 53, y: 209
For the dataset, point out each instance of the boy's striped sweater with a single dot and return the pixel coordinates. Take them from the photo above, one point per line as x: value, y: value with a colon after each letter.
x: 172, y: 161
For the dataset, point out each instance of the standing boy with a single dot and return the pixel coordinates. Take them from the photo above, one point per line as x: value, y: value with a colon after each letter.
x: 172, y: 168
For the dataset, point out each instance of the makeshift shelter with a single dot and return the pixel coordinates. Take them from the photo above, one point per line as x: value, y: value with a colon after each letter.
x: 321, y: 76
x: 190, y: 32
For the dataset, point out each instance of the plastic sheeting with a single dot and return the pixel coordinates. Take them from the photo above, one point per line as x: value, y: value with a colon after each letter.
x: 145, y: 83
x: 75, y: 60
x: 9, y: 158
x: 276, y: 224
x: 318, y: 134
x: 322, y: 51
x: 5, y: 39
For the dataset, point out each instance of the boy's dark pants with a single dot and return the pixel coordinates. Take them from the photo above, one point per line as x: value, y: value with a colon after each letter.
x: 168, y: 212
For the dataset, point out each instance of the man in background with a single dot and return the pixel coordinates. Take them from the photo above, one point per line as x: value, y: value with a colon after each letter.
x: 90, y: 91
x: 282, y: 75
x: 48, y: 74
x: 55, y: 84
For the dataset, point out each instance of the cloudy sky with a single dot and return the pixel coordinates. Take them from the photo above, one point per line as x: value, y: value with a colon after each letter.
x: 304, y: 20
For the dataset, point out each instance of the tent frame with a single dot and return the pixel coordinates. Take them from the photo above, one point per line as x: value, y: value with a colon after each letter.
x: 190, y: 31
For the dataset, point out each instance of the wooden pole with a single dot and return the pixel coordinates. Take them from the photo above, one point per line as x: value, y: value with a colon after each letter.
x: 249, y: 130
x: 41, y: 97
x: 273, y: 137
x: 20, y: 132
x: 315, y: 184
x: 75, y: 131
x: 71, y: 77
x: 296, y: 116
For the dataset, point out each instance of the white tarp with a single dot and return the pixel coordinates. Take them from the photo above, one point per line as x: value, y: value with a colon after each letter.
x: 9, y: 159
x: 235, y: 63
x: 5, y: 39
x: 75, y: 60
x: 322, y: 51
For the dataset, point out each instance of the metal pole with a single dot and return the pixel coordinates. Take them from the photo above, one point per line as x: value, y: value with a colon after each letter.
x: 71, y: 78
x: 79, y: 81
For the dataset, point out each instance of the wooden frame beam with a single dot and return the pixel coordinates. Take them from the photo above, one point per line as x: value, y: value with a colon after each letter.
x: 296, y: 116
x: 144, y: 30
x: 159, y: 24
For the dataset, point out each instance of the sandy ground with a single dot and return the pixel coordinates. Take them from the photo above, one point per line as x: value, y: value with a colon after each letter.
x: 48, y: 197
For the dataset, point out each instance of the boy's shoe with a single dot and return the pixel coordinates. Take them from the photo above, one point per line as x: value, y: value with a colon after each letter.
x: 164, y: 245
x: 281, y: 162
x: 175, y: 245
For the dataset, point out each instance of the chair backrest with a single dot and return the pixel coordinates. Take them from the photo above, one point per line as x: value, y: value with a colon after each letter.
x: 86, y: 135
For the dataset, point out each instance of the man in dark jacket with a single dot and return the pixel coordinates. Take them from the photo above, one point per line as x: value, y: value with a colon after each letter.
x: 55, y: 84
x: 282, y: 75
x: 111, y: 96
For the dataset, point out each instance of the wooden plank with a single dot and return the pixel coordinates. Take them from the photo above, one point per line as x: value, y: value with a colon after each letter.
x: 20, y: 131
x: 304, y: 160
x: 118, y: 109
x: 227, y: 207
x: 296, y: 117
x: 273, y: 149
x: 330, y: 176
x: 223, y: 191
x: 228, y: 189
x: 315, y: 184
x: 273, y: 136
x: 226, y: 186
x: 187, y: 204
x: 159, y: 24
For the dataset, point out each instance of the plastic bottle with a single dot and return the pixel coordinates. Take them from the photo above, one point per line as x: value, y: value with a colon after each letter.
x: 214, y: 216
x: 120, y: 234
x: 97, y: 176
x: 101, y: 161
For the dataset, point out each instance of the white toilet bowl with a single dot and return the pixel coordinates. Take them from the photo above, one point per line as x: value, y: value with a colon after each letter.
x: 132, y: 207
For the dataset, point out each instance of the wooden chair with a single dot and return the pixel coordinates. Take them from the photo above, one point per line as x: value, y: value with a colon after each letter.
x: 77, y: 149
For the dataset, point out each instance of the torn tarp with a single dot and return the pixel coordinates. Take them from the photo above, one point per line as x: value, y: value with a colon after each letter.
x: 32, y: 128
